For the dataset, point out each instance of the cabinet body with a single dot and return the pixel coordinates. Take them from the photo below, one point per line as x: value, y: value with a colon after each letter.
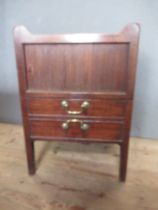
x: 77, y: 87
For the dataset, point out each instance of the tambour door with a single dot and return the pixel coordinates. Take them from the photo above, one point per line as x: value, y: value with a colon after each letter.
x: 81, y: 68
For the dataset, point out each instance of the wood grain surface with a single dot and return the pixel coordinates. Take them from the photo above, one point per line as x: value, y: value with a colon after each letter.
x: 76, y: 176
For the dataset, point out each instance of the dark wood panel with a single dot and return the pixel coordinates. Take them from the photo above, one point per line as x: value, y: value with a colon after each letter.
x: 71, y: 94
x: 97, y: 108
x: 97, y: 129
x: 82, y: 67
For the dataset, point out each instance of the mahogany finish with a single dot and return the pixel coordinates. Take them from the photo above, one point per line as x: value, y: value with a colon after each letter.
x: 97, y: 129
x: 98, y: 108
x: 76, y: 67
x: 60, y: 74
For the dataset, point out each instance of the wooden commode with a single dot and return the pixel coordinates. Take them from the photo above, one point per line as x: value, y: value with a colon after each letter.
x: 77, y: 87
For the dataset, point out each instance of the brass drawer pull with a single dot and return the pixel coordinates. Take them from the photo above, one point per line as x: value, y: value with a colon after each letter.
x: 84, y: 107
x: 83, y: 126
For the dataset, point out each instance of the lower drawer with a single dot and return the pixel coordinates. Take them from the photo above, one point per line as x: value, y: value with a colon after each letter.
x: 86, y: 129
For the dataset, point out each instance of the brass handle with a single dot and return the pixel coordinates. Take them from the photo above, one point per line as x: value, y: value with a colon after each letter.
x: 65, y: 104
x: 84, y: 107
x: 83, y: 126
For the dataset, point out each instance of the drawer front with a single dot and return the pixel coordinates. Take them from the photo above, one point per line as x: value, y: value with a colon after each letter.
x: 96, y: 129
x: 95, y: 108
